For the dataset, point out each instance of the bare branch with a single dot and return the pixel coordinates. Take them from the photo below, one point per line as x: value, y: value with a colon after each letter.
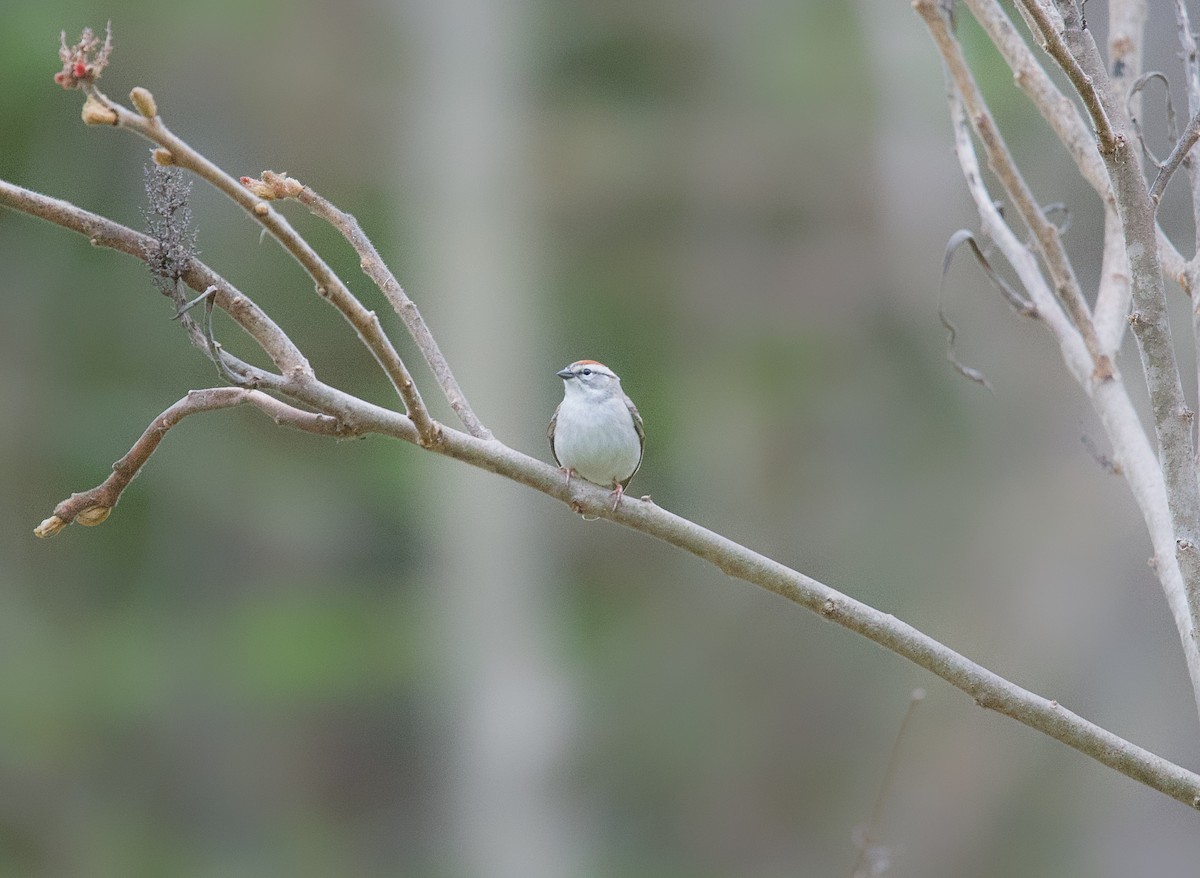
x: 278, y: 186
x: 1066, y: 286
x: 1191, y: 81
x: 988, y: 689
x: 1093, y: 99
x: 1059, y: 112
x: 94, y: 506
x: 103, y: 232
x: 1186, y: 141
x: 1122, y: 423
x: 1173, y: 418
x: 1063, y: 117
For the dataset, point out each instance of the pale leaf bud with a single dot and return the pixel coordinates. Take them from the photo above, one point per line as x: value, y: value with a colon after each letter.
x: 93, y: 515
x: 96, y: 113
x: 144, y: 102
x: 49, y: 527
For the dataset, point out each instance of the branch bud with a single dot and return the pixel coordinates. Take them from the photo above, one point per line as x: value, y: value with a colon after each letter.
x: 162, y: 157
x: 49, y: 527
x: 93, y: 515
x: 96, y: 113
x: 144, y: 102
x: 258, y: 188
x: 272, y: 185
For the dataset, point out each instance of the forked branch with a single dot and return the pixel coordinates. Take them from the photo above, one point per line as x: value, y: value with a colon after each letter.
x: 272, y: 186
x: 92, y: 507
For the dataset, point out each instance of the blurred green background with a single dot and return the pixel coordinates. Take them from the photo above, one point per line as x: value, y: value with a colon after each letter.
x: 284, y: 656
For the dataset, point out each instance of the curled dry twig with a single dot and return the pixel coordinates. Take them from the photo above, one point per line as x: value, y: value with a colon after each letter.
x: 1019, y: 303
x: 1138, y: 86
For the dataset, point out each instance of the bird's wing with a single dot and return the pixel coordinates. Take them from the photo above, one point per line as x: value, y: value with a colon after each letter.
x: 550, y: 434
x: 641, y: 432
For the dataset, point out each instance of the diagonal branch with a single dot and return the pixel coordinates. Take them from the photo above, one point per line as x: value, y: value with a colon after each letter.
x: 1046, y: 233
x: 343, y: 414
x: 1085, y: 84
x: 988, y: 689
x: 1191, y: 81
x: 103, y: 232
x: 278, y: 186
x: 1186, y: 141
x: 94, y: 506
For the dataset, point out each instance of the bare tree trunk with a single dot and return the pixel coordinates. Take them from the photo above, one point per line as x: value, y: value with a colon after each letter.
x: 507, y: 711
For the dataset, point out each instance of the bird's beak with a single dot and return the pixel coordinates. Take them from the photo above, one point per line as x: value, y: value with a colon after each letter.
x: 565, y: 374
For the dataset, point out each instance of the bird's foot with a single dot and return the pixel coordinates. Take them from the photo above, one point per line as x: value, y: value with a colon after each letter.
x: 618, y: 492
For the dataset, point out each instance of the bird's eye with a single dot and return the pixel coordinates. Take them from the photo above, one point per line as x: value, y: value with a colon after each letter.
x: 587, y: 371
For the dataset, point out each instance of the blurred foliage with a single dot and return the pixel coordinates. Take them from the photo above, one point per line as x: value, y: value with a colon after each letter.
x: 239, y: 673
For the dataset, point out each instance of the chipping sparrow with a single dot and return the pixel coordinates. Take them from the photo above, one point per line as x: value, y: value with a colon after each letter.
x: 596, y: 432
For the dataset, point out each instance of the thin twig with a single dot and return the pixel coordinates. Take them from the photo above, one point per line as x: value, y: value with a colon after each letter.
x: 866, y: 842
x: 1059, y: 112
x: 1191, y: 81
x: 1066, y: 285
x: 94, y: 506
x: 1064, y: 119
x: 1186, y: 141
x: 279, y: 186
x: 1086, y: 85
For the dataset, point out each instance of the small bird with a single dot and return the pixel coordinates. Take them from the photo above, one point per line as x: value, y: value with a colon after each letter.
x: 596, y: 432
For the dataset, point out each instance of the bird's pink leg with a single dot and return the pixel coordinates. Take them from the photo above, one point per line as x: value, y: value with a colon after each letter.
x: 618, y: 492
